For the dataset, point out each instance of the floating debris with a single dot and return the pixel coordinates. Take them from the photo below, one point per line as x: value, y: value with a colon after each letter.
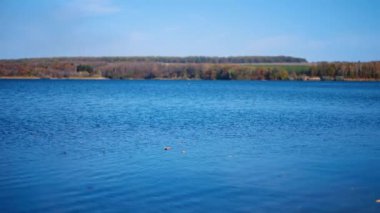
x: 167, y: 148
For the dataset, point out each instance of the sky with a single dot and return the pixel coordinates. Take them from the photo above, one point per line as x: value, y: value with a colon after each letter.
x: 318, y: 30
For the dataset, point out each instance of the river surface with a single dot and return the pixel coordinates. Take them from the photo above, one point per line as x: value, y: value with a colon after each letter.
x: 236, y: 146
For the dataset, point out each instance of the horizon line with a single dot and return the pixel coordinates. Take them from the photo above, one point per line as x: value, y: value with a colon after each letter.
x: 188, y: 56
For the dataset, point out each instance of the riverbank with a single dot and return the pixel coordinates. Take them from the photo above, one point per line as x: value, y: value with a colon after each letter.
x: 187, y: 68
x: 312, y: 79
x: 38, y: 78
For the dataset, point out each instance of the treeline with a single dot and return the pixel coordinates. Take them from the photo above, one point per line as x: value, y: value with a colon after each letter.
x: 96, y: 67
x: 337, y: 70
x: 190, y: 59
x: 215, y: 60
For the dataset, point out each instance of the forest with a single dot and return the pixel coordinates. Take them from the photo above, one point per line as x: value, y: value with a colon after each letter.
x: 197, y: 67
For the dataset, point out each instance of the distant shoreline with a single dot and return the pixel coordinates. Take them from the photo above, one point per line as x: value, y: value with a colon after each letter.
x: 189, y: 68
x: 38, y: 78
x: 168, y: 79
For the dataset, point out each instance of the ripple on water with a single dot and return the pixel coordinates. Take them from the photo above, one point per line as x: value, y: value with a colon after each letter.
x: 73, y: 146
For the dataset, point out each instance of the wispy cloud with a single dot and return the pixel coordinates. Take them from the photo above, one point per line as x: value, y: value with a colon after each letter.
x: 90, y: 7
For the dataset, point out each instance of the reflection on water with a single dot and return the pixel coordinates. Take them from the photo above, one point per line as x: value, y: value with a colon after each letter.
x: 235, y: 146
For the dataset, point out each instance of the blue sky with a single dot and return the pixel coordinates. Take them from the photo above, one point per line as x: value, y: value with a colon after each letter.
x: 330, y: 30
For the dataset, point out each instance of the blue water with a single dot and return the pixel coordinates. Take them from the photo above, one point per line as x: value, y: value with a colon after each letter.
x: 237, y: 146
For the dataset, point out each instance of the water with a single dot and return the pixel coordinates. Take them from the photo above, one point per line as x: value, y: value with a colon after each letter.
x: 237, y: 146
